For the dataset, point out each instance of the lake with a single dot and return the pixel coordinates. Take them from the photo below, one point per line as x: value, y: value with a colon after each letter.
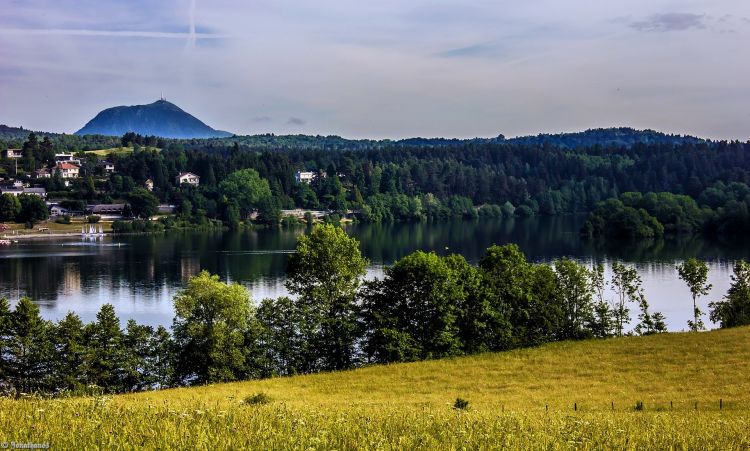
x: 139, y: 274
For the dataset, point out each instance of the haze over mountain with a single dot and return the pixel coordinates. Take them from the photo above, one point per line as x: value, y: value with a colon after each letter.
x: 160, y: 118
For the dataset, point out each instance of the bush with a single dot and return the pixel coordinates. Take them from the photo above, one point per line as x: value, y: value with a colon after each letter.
x: 639, y: 406
x: 289, y: 221
x: 64, y: 219
x: 93, y: 219
x: 257, y: 399
x: 461, y: 404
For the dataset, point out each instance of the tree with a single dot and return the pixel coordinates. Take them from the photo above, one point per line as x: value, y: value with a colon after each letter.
x: 626, y: 284
x: 603, y: 324
x: 105, y: 362
x: 29, y: 349
x: 10, y: 206
x: 5, y: 337
x: 695, y: 275
x: 734, y: 309
x: 574, y: 288
x: 325, y: 273
x: 33, y: 209
x: 70, y: 353
x: 413, y: 313
x: 245, y: 188
x: 143, y: 204
x: 211, y: 319
x: 281, y: 336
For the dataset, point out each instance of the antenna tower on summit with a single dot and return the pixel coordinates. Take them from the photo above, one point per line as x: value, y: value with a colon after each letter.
x: 162, y: 96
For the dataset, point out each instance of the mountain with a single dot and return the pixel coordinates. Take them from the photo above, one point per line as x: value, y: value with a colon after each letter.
x: 161, y: 118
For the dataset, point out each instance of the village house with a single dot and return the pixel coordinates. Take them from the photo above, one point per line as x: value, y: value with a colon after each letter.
x: 43, y: 173
x: 108, y: 166
x: 304, y: 177
x: 106, y: 210
x: 13, y: 154
x: 68, y: 170
x: 18, y: 190
x: 187, y: 178
x: 67, y: 157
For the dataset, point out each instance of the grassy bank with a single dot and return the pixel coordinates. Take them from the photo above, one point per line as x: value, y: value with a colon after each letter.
x: 558, y: 396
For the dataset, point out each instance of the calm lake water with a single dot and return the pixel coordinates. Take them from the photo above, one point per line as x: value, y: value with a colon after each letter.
x: 139, y: 275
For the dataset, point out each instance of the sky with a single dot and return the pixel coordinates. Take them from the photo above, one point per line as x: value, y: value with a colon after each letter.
x: 386, y: 68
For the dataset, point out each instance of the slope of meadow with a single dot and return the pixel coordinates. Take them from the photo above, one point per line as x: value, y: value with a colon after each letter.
x: 694, y: 389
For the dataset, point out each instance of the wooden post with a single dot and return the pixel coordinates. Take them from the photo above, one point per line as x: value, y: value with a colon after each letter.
x: 721, y: 404
x: 575, y: 406
x: 696, y: 405
x: 671, y: 406
x: 613, y: 405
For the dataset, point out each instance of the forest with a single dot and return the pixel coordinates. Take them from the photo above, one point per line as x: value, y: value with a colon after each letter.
x: 408, y: 180
x: 425, y: 307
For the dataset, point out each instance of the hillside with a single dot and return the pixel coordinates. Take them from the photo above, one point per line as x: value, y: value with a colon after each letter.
x: 518, y: 399
x: 160, y: 118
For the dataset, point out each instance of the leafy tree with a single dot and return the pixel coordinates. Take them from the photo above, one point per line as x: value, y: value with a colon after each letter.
x: 325, y: 273
x: 412, y: 314
x: 603, y: 324
x: 160, y: 362
x: 10, y: 206
x: 281, y: 336
x: 211, y: 319
x: 695, y: 275
x: 143, y: 203
x: 626, y: 284
x: 573, y: 285
x: 33, y: 209
x: 137, y: 345
x: 734, y: 309
x: 246, y: 189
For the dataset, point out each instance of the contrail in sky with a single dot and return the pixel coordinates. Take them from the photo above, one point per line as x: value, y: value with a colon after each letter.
x: 191, y: 36
x: 191, y: 39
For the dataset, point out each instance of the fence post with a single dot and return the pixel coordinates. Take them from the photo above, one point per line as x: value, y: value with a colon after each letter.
x: 575, y: 406
x: 721, y: 404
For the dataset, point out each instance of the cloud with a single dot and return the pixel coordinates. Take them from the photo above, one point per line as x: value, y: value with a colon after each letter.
x: 476, y: 50
x: 259, y: 119
x: 296, y: 121
x: 670, y: 22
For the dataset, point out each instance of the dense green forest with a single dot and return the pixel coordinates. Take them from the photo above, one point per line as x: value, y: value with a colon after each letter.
x: 425, y: 307
x: 406, y: 180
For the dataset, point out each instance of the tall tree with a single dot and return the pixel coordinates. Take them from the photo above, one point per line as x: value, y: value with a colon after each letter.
x: 573, y: 284
x: 734, y: 309
x: 105, y: 362
x: 211, y: 319
x: 626, y: 284
x: 325, y: 273
x: 695, y: 275
x: 30, y: 348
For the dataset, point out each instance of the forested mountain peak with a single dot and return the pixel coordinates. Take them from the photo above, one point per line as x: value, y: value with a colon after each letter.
x: 160, y: 118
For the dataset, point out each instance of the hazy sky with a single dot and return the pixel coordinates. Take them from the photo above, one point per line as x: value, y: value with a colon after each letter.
x: 385, y: 68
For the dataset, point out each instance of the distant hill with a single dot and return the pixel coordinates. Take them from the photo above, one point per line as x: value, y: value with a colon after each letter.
x: 619, y: 137
x: 161, y: 118
x: 11, y: 133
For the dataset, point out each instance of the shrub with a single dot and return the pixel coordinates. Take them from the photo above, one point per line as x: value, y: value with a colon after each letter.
x: 257, y: 399
x: 461, y: 404
x: 639, y: 406
x: 93, y: 219
x: 65, y: 219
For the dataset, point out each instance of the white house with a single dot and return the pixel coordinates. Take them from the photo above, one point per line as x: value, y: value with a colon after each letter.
x: 14, y: 153
x: 16, y: 191
x: 149, y: 184
x: 108, y: 166
x: 68, y: 170
x: 304, y: 177
x: 67, y: 157
x: 187, y: 178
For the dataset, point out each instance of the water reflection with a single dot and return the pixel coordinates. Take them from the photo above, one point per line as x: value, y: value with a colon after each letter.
x: 140, y: 274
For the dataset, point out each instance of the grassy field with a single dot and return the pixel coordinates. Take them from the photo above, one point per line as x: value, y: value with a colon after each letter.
x: 560, y: 396
x: 20, y: 230
x: 117, y: 150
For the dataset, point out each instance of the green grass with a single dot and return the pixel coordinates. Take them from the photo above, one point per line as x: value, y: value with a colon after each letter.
x: 117, y: 150
x: 521, y: 399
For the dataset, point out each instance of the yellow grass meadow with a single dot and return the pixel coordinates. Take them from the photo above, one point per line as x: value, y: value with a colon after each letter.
x: 694, y: 389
